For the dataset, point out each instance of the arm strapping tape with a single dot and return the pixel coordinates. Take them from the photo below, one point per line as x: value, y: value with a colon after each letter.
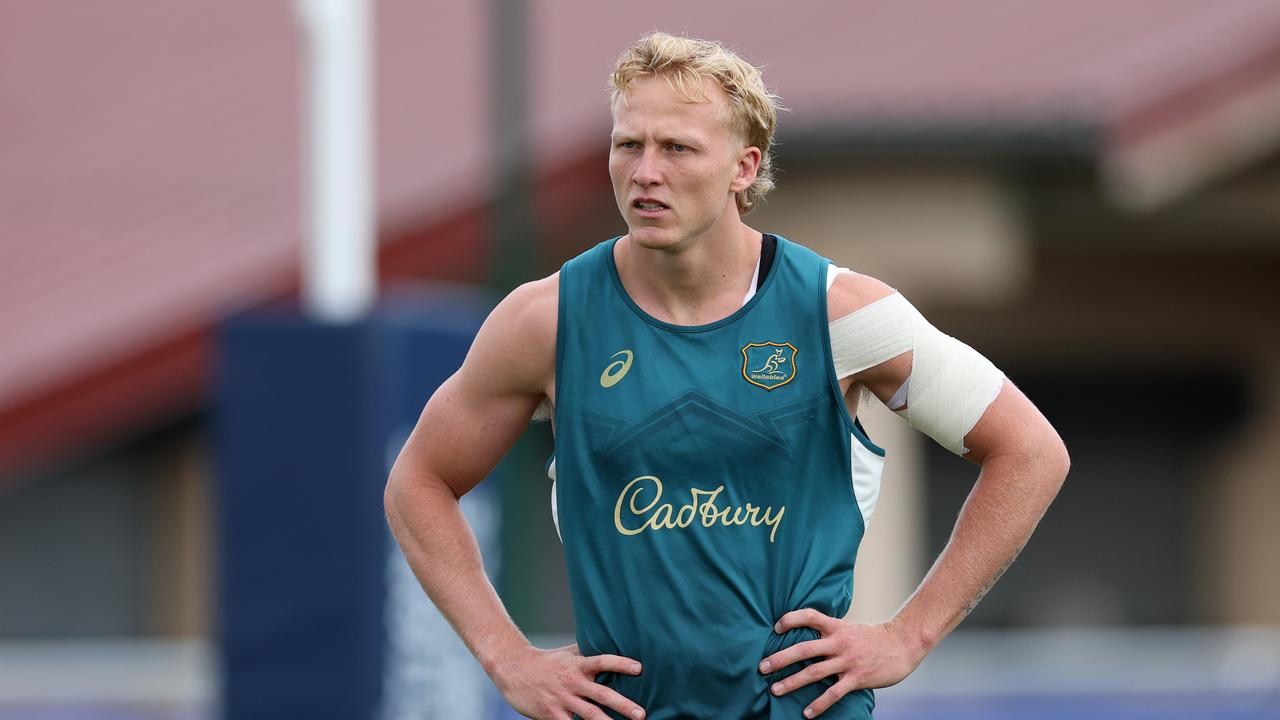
x: 951, y: 384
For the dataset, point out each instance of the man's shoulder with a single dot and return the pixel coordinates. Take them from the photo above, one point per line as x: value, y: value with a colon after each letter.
x: 531, y: 308
x: 852, y: 291
x: 514, y: 352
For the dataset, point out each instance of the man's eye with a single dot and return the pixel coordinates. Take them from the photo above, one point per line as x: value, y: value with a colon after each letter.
x: 678, y: 147
x: 628, y: 144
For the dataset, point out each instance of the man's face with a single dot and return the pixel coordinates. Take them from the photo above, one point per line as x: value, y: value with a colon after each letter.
x: 675, y: 165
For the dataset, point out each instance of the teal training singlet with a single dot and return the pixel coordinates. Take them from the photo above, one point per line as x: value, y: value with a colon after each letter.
x: 705, y: 486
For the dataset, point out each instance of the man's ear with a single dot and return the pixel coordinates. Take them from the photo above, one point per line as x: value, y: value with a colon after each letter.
x: 748, y: 166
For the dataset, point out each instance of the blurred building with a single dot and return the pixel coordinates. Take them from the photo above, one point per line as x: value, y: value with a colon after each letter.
x: 1088, y: 193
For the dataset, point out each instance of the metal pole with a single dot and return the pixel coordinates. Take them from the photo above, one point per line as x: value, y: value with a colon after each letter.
x: 513, y: 262
x: 514, y: 222
x: 339, y: 272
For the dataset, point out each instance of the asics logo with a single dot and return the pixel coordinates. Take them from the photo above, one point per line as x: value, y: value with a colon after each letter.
x: 617, y: 369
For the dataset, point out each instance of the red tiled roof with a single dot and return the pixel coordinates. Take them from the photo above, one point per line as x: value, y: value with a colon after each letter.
x: 150, y: 182
x: 150, y: 160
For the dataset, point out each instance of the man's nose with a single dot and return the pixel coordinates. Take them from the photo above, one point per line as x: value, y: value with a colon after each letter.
x: 647, y: 171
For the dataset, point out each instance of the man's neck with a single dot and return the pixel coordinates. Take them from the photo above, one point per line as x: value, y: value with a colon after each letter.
x: 693, y: 285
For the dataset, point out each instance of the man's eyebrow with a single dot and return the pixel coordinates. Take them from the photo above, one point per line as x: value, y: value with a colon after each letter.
x: 689, y: 140
x: 665, y: 139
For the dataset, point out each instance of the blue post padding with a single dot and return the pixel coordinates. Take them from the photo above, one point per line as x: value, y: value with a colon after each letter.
x: 307, y: 416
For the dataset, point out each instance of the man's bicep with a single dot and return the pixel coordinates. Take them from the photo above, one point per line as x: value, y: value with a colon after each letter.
x: 475, y: 417
x: 464, y: 431
x: 886, y: 379
x: 1013, y: 424
x: 938, y: 384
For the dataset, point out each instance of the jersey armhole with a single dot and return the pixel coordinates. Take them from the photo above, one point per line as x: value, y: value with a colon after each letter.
x: 560, y: 340
x: 852, y: 425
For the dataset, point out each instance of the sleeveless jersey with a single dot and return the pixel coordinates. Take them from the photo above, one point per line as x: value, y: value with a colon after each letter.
x: 705, y: 486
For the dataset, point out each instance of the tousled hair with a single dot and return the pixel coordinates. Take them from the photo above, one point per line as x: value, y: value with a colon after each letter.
x: 685, y: 63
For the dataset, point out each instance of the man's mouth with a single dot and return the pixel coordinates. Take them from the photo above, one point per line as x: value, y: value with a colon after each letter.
x: 648, y: 205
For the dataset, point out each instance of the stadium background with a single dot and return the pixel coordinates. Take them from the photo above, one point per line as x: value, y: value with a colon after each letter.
x: 1089, y: 193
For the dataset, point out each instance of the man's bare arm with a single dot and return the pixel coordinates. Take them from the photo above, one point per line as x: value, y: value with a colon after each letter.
x: 1024, y: 463
x: 464, y: 430
x: 467, y: 426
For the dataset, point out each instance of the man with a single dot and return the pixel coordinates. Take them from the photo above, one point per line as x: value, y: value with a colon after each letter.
x: 712, y: 480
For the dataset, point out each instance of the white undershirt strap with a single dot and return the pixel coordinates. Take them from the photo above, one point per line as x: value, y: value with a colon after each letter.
x: 755, y: 280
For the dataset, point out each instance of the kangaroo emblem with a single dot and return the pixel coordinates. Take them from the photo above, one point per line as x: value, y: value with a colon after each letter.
x: 771, y: 365
x: 774, y: 363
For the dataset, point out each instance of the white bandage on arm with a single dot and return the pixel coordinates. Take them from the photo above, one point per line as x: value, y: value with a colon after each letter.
x: 951, y: 384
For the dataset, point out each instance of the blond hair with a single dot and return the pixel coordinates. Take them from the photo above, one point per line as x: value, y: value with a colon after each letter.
x: 684, y: 63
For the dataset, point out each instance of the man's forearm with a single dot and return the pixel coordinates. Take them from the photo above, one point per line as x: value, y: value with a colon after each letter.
x: 1006, y: 504
x: 442, y: 551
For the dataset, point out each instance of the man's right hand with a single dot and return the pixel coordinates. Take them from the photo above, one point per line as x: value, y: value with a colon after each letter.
x: 558, y: 684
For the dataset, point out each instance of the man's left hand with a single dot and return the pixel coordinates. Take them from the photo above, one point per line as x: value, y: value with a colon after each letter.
x: 859, y: 655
